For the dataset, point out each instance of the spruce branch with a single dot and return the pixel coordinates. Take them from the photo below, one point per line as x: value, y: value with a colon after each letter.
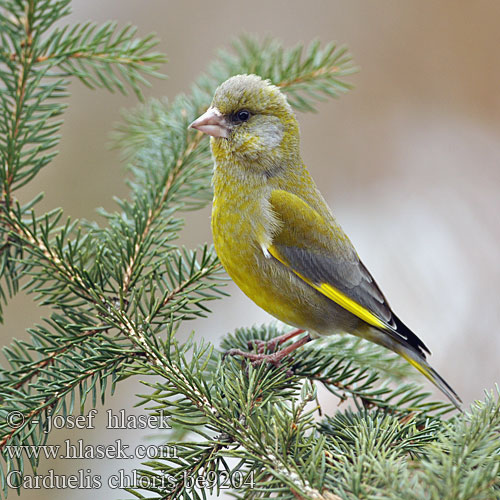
x: 305, y: 75
x: 35, y: 61
x: 246, y: 407
x: 397, y: 431
x: 103, y: 56
x: 239, y: 411
x: 457, y: 459
x: 464, y: 462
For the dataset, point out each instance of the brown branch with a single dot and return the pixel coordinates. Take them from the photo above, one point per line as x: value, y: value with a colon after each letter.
x: 52, y: 356
x: 178, y: 289
x: 80, y: 55
x: 22, y: 79
x: 58, y: 395
x: 155, y: 212
x: 35, y: 243
x: 50, y: 359
x: 207, y: 458
x: 135, y: 335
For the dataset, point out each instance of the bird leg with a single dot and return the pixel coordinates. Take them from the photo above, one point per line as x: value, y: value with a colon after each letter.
x: 262, y: 346
x: 275, y: 357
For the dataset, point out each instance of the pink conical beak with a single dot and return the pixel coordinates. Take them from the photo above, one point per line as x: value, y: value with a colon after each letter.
x: 212, y: 122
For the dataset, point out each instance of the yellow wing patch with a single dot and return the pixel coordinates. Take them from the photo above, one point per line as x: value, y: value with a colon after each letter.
x: 336, y: 295
x: 350, y: 305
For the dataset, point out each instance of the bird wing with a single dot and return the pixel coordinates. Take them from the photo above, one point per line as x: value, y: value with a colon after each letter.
x: 320, y: 253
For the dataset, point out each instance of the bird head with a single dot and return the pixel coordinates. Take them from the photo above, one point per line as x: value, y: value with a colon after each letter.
x: 251, y: 123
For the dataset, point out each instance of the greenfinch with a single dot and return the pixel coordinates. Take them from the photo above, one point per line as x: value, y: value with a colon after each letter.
x: 276, y: 236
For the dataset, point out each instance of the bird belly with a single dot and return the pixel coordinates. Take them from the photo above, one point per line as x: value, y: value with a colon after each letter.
x: 272, y: 286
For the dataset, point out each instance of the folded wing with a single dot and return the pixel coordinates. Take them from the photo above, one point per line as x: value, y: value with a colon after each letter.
x: 319, y: 253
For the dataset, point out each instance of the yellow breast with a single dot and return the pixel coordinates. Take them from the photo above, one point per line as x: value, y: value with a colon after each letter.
x: 240, y: 232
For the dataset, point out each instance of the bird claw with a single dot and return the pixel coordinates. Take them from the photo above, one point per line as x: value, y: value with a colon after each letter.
x: 261, y: 346
x: 274, y: 358
x: 259, y: 358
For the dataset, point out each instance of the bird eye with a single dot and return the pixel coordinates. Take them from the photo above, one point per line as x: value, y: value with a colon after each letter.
x: 243, y: 115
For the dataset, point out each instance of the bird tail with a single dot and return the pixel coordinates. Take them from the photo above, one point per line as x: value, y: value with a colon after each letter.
x: 411, y: 348
x: 425, y: 369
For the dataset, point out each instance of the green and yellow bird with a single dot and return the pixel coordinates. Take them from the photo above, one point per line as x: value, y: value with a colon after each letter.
x: 278, y: 239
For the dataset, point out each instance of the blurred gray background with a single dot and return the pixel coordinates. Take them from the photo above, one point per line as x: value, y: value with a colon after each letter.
x: 409, y: 161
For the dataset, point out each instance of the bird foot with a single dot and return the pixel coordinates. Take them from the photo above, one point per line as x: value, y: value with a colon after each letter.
x: 261, y: 346
x: 273, y: 358
x: 259, y: 358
